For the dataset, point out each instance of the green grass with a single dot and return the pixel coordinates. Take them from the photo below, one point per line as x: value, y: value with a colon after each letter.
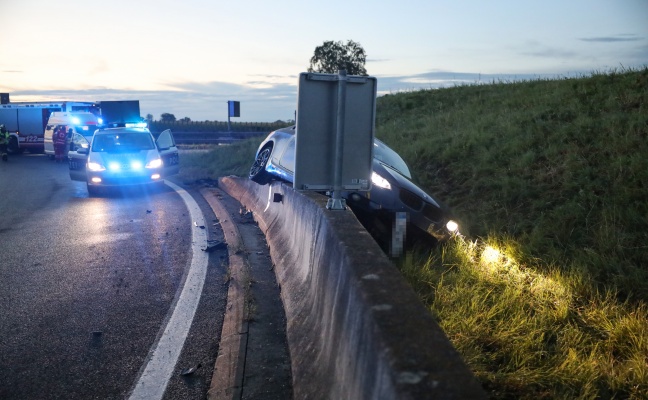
x: 551, y: 174
x: 234, y: 159
x: 546, y: 295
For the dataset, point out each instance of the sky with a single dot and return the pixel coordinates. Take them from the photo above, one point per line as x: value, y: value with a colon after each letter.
x: 190, y: 57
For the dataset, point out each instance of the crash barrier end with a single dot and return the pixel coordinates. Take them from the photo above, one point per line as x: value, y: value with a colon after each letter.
x: 355, y: 328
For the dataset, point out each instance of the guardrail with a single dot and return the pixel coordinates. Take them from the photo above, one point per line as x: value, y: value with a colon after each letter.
x: 212, y: 137
x: 355, y: 328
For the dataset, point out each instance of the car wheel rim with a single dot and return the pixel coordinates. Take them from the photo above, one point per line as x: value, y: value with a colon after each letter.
x: 260, y: 162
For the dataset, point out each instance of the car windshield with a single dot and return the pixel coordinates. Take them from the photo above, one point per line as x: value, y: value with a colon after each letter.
x: 390, y: 158
x: 86, y: 130
x: 122, y: 142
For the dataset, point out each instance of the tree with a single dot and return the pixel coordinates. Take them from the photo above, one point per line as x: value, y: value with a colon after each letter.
x: 333, y: 56
x: 149, y: 118
x: 166, y: 117
x: 185, y: 120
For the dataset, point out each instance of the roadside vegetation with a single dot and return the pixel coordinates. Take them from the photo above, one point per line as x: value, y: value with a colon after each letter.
x: 186, y: 125
x: 546, y: 293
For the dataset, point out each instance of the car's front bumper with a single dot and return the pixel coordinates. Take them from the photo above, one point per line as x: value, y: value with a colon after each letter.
x: 106, y: 178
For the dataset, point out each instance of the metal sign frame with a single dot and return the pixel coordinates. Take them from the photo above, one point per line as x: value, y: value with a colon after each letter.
x: 335, y: 132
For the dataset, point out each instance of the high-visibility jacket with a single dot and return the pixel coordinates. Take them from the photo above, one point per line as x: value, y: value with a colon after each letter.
x: 4, y: 137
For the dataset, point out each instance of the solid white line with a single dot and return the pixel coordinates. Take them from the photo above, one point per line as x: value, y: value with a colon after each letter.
x: 155, y: 378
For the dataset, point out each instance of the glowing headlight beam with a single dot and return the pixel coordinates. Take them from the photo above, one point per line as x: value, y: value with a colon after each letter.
x: 491, y: 255
x: 157, y: 163
x: 93, y: 166
x: 380, y: 181
x: 452, y: 226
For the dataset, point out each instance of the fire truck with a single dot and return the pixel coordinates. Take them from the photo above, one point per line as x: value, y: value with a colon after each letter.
x: 28, y: 121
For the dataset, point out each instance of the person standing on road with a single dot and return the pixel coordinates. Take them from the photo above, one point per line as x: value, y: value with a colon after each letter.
x: 4, y: 142
x: 60, y: 140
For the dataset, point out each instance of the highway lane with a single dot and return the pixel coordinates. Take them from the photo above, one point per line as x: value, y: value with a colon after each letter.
x: 87, y: 284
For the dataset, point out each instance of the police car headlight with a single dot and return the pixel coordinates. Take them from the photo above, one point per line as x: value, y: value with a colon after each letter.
x: 157, y: 163
x: 93, y: 166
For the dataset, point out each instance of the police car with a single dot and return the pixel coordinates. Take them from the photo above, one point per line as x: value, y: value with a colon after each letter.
x: 123, y: 156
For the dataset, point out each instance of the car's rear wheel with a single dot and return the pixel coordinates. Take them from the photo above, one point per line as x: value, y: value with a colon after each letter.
x: 258, y: 172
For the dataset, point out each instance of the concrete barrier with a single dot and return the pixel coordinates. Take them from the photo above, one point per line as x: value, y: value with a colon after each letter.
x: 356, y: 329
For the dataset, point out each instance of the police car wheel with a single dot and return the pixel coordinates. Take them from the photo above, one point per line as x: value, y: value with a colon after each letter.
x: 93, y: 191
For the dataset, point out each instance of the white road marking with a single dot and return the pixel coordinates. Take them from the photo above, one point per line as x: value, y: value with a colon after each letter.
x: 164, y: 356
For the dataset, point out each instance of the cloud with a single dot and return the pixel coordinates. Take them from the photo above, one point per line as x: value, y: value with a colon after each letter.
x: 202, y: 101
x: 543, y: 51
x: 441, y: 79
x: 625, y: 37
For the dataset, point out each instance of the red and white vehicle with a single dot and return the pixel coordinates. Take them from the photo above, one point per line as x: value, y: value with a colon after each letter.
x: 27, y: 121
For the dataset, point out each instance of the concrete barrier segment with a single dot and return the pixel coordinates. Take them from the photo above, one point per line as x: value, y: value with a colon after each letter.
x: 227, y: 379
x: 356, y: 329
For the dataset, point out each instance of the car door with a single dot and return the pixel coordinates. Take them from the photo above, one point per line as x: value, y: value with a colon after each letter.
x: 168, y: 152
x: 77, y: 160
x: 48, y: 139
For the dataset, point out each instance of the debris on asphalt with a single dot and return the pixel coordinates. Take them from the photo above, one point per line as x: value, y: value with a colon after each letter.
x: 213, y: 245
x: 148, y: 211
x: 191, y: 370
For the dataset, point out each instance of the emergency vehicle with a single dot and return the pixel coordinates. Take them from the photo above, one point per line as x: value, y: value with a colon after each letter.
x: 81, y: 123
x: 27, y: 121
x: 30, y: 127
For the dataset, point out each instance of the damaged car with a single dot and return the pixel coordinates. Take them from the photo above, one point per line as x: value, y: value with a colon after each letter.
x: 393, y: 195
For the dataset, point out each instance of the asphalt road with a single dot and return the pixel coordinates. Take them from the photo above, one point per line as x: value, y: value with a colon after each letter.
x: 88, y: 284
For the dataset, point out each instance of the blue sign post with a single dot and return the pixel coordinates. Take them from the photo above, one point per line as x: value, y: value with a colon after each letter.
x: 233, y: 110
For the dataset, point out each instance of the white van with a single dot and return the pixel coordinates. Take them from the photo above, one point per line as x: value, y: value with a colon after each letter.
x: 74, y: 123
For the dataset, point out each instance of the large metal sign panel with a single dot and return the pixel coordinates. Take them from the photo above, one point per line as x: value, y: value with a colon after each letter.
x: 317, y: 124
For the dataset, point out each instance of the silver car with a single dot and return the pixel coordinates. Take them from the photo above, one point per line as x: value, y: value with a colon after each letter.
x: 392, y: 195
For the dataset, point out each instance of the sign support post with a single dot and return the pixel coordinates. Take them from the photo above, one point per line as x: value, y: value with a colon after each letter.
x: 336, y: 202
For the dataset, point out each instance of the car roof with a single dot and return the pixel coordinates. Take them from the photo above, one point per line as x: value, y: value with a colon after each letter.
x: 105, y: 131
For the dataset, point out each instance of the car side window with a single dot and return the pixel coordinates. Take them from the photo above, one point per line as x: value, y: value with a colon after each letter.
x: 78, y: 141
x: 165, y: 140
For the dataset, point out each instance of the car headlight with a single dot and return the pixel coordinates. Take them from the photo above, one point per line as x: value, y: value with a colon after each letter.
x: 452, y: 226
x: 380, y: 181
x: 157, y: 163
x: 93, y: 166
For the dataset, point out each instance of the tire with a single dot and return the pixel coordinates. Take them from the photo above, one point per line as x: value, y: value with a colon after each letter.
x: 92, y: 191
x: 12, y: 147
x: 258, y: 172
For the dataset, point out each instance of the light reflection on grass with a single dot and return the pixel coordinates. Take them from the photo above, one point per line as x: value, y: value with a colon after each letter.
x: 532, y: 330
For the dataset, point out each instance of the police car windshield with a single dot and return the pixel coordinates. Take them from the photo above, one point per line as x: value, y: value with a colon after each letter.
x: 123, y: 142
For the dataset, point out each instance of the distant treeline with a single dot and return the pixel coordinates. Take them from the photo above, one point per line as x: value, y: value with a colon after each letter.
x: 216, y: 126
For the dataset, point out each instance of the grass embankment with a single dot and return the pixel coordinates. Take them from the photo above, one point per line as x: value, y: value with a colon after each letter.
x: 546, y: 296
